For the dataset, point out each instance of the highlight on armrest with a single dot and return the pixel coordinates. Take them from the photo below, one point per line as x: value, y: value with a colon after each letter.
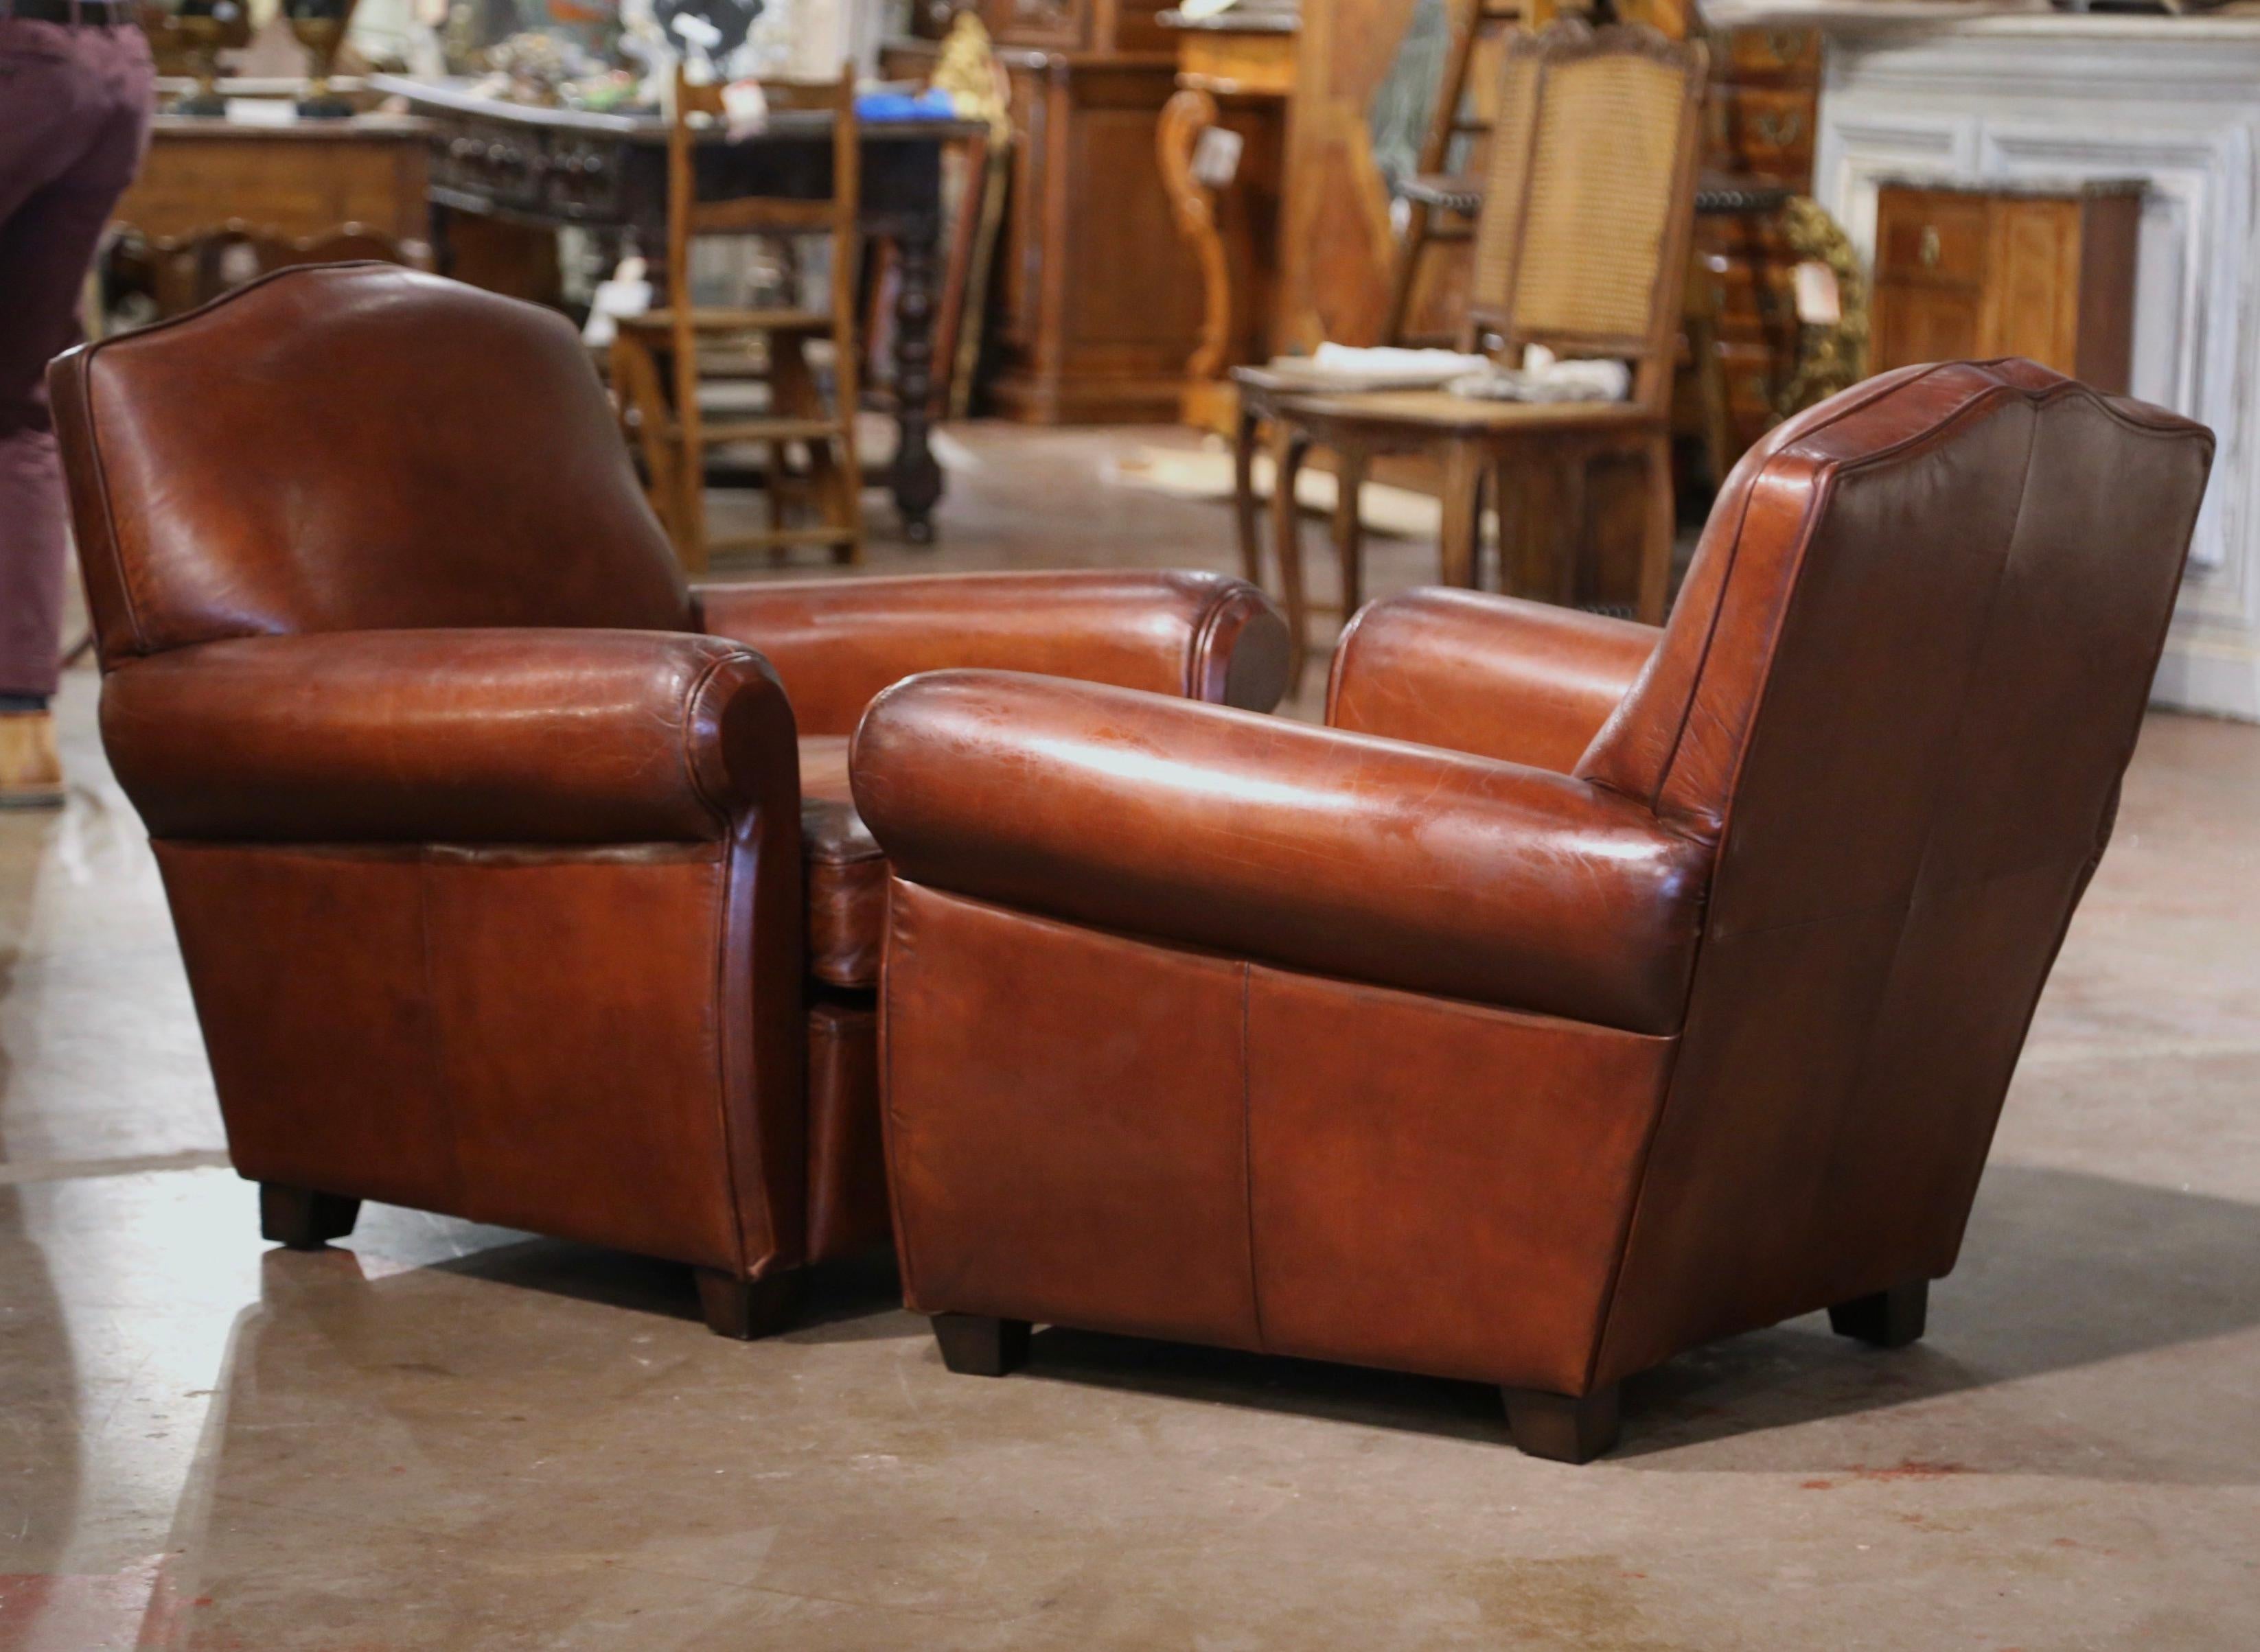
x: 467, y: 736
x: 837, y: 643
x: 1333, y: 853
x: 1523, y: 681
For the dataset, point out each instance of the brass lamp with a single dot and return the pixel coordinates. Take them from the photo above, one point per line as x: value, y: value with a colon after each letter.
x: 320, y: 26
x: 200, y: 30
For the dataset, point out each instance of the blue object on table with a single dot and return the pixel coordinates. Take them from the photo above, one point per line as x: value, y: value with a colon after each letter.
x: 926, y: 106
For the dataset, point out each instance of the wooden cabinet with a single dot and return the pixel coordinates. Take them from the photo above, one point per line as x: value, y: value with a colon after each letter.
x: 2045, y: 273
x: 1098, y: 297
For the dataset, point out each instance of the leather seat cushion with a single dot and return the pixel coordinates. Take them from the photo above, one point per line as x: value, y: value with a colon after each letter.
x: 845, y: 872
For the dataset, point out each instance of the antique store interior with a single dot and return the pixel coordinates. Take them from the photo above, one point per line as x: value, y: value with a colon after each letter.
x: 401, y: 991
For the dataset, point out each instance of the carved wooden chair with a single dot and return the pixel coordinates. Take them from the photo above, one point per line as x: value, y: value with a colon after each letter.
x: 657, y: 357
x: 1582, y: 247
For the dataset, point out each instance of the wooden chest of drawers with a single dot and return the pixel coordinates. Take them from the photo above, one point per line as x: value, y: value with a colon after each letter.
x: 2047, y: 274
x: 1759, y: 126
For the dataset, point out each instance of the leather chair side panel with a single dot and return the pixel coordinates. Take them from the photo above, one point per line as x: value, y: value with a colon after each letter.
x: 532, y: 1039
x: 307, y: 968
x: 846, y: 1162
x: 1439, y: 1187
x: 1066, y: 1124
x: 1113, y: 1133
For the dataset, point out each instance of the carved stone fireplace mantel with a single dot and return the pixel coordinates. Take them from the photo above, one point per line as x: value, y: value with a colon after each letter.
x: 2062, y: 97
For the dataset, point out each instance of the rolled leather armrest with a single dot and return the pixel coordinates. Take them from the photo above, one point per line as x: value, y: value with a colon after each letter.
x: 1523, y: 681
x: 471, y: 736
x: 837, y: 643
x: 1336, y: 854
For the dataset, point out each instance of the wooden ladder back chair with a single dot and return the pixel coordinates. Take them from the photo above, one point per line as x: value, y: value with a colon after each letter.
x: 656, y: 356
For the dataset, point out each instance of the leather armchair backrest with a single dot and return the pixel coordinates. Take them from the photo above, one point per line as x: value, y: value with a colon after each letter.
x: 1900, y: 688
x: 353, y: 447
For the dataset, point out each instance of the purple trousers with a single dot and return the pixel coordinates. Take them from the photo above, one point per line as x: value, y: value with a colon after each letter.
x: 73, y: 119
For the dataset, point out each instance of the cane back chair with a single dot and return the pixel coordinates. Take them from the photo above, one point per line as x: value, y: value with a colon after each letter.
x: 1581, y: 246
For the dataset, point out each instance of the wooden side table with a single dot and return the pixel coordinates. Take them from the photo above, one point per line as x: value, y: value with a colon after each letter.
x: 2045, y: 271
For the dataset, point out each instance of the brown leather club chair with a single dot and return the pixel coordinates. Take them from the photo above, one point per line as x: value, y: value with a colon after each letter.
x: 512, y: 881
x: 1586, y: 991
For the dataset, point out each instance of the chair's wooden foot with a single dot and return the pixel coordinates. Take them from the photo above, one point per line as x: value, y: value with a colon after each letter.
x: 746, y: 1309
x: 1562, y: 1428
x: 975, y: 1344
x: 304, y: 1219
x: 1889, y: 1318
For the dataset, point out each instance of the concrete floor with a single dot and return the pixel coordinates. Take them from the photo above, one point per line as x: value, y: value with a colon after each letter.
x: 443, y: 1436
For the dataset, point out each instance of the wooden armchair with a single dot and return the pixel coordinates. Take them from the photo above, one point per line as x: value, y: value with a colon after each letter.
x: 1581, y: 247
x: 656, y: 356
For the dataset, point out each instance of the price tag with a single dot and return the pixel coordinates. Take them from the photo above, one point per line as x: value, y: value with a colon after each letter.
x: 1216, y: 157
x: 744, y: 109
x: 1816, y: 302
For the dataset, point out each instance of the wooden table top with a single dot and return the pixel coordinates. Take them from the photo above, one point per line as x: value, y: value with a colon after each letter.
x: 456, y: 96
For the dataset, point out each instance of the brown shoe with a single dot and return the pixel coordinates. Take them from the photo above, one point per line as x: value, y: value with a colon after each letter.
x: 31, y: 772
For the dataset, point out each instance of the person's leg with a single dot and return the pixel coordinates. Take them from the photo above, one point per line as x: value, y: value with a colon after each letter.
x: 74, y: 117
x: 71, y: 136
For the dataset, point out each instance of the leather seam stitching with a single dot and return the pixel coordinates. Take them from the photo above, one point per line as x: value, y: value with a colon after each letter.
x: 718, y: 807
x: 1907, y: 901
x: 890, y: 1131
x: 440, y: 1090
x: 716, y: 1011
x: 1207, y: 622
x: 1247, y: 1152
x: 126, y: 580
x: 1734, y: 562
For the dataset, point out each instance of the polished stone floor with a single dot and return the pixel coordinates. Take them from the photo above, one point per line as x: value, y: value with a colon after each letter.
x: 441, y: 1436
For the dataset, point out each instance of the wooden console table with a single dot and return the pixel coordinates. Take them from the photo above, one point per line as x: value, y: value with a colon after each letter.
x: 507, y: 163
x: 1236, y: 71
x: 306, y: 178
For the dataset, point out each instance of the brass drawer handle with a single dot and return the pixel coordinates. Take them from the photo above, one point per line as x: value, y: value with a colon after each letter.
x: 1929, y: 252
x: 1779, y: 130
x: 1784, y: 47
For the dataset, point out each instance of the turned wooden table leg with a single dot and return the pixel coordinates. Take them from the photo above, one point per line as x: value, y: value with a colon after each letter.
x: 746, y: 1309
x: 1289, y: 448
x: 1563, y: 1427
x: 1889, y: 1318
x: 1659, y: 529
x: 1350, y: 470
x: 977, y: 1345
x: 916, y: 475
x: 1243, y: 492
x: 302, y: 1219
x: 1462, y: 520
